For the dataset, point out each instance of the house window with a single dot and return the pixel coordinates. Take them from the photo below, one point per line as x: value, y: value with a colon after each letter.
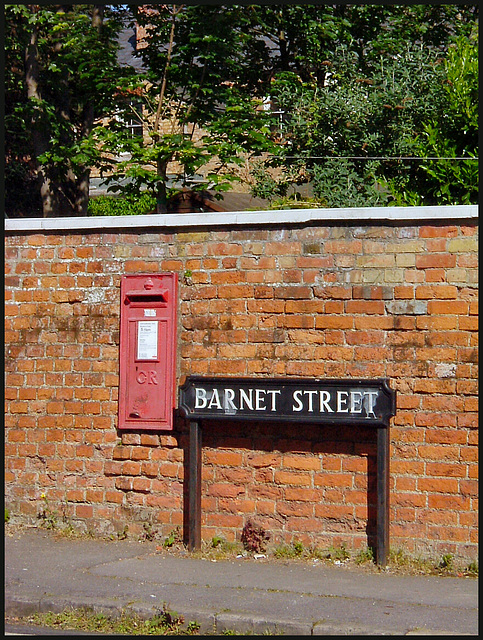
x: 133, y: 121
x: 269, y: 104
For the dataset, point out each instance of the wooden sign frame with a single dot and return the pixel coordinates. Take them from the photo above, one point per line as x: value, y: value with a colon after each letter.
x: 303, y: 400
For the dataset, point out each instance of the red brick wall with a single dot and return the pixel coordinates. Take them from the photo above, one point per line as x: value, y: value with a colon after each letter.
x: 319, y: 301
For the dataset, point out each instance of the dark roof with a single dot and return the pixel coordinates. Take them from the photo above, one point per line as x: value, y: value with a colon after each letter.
x: 126, y: 53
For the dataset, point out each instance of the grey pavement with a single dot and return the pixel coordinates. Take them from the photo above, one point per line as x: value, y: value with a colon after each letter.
x: 47, y: 572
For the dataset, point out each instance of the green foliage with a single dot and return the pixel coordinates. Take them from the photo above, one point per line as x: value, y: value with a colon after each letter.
x: 365, y: 555
x: 148, y: 532
x: 172, y: 539
x: 219, y: 548
x: 342, y: 183
x: 122, y: 535
x: 348, y: 83
x: 337, y: 553
x: 217, y: 541
x: 446, y: 564
x: 265, y: 186
x: 118, y: 206
x: 296, y: 202
x: 69, y: 80
x: 7, y: 515
x: 332, y: 131
x: 446, y: 561
x: 452, y: 133
x: 294, y: 550
x: 47, y: 516
x: 193, y: 84
x: 389, y: 87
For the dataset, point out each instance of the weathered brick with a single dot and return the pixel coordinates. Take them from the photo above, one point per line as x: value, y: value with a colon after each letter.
x: 223, y: 458
x: 292, y: 478
x: 260, y: 460
x: 301, y: 462
x: 396, y: 302
x: 304, y: 306
x: 431, y: 292
x: 294, y: 292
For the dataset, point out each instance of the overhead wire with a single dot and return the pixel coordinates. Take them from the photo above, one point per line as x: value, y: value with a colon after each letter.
x: 376, y: 158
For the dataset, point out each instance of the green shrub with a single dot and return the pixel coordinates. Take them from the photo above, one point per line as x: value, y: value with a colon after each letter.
x: 125, y: 206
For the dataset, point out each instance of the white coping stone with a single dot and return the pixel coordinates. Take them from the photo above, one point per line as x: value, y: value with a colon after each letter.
x: 179, y: 221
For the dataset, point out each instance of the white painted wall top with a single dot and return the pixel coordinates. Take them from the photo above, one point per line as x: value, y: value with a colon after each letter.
x: 361, y: 215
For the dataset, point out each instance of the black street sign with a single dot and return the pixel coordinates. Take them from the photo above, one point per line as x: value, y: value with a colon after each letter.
x: 358, y: 402
x: 351, y: 402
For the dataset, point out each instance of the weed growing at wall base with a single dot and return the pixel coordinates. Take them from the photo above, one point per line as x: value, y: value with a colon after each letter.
x: 401, y: 561
x: 47, y: 515
x: 174, y: 538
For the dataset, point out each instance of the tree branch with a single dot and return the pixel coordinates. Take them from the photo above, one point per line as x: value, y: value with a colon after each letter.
x: 168, y: 61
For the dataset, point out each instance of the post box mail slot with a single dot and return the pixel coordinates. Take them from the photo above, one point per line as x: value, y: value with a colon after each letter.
x: 147, y: 351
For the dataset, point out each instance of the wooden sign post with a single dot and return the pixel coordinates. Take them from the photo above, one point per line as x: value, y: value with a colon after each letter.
x: 325, y: 402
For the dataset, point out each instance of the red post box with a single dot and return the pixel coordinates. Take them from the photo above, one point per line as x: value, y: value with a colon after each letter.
x: 147, y: 350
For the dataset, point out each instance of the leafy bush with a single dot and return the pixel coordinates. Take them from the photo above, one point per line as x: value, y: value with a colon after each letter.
x: 343, y: 184
x: 265, y: 186
x: 126, y: 206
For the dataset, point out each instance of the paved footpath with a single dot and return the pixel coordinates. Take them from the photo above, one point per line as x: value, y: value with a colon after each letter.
x: 48, y: 572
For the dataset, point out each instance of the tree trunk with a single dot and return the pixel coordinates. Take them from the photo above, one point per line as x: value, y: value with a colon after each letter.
x: 98, y: 16
x: 162, y: 165
x: 81, y: 199
x: 69, y: 196
x: 40, y: 138
x: 162, y: 196
x: 82, y: 196
x: 82, y: 184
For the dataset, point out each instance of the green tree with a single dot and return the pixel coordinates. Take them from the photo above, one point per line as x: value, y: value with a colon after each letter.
x: 19, y: 169
x: 384, y: 82
x: 291, y: 38
x: 355, y: 82
x: 451, y: 133
x: 197, y: 108
x: 338, y: 136
x: 61, y: 77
